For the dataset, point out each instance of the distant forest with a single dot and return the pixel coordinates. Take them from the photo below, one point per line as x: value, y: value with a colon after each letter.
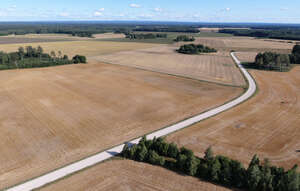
x: 281, y: 33
x: 87, y: 29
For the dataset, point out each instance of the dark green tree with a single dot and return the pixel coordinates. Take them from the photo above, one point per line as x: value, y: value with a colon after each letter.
x: 215, y: 169
x: 180, y: 161
x: 191, y: 165
x: 209, y: 155
x: 253, y: 176
x: 173, y: 150
x: 155, y: 159
x: 141, y: 152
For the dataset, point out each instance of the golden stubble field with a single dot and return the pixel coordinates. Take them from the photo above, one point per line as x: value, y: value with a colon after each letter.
x: 87, y: 48
x: 64, y: 36
x: 267, y: 125
x: 53, y: 116
x: 218, y: 67
x: 246, y: 44
x: 120, y: 175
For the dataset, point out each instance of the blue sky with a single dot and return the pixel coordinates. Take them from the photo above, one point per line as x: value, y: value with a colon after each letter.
x: 276, y: 11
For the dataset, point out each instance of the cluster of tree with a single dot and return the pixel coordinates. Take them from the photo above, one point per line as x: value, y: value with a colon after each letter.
x: 140, y: 36
x: 272, y: 61
x: 195, y: 49
x: 275, y: 61
x: 295, y: 56
x: 184, y: 38
x: 30, y: 57
x: 281, y: 33
x: 217, y: 169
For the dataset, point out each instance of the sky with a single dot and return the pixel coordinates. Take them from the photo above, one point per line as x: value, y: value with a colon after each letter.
x: 271, y: 11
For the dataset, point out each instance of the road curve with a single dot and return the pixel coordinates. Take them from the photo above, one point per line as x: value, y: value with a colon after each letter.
x: 92, y: 160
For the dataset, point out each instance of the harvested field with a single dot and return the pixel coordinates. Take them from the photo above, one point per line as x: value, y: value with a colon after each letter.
x: 108, y: 36
x: 119, y: 175
x: 267, y: 125
x: 87, y: 48
x: 18, y: 40
x: 246, y: 56
x: 46, y: 36
x: 218, y: 67
x: 53, y: 116
x: 205, y: 29
x: 246, y: 44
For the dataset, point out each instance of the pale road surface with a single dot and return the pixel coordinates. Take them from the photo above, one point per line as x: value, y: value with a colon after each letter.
x: 92, y: 160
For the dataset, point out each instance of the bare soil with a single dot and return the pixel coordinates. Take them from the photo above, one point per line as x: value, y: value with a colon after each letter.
x: 54, y: 116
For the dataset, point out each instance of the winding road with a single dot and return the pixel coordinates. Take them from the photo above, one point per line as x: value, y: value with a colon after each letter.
x: 92, y: 160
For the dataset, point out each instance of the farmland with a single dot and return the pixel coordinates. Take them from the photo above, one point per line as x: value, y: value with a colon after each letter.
x: 267, y: 124
x: 54, y: 116
x: 87, y: 48
x: 247, y: 44
x: 13, y: 40
x: 131, y: 176
x: 246, y: 56
x: 169, y: 40
x: 217, y: 67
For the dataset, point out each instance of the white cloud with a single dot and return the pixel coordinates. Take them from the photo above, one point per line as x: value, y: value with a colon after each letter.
x: 227, y: 9
x: 133, y: 5
x: 98, y: 13
x: 284, y: 9
x: 157, y: 9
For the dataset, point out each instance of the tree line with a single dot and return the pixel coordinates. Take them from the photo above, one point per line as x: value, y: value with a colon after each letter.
x: 140, y: 36
x: 259, y: 176
x: 275, y: 61
x: 184, y: 38
x: 30, y: 57
x: 281, y: 33
x: 195, y: 49
x: 182, y: 29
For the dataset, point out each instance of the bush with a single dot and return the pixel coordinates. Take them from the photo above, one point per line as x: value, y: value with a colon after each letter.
x: 184, y: 38
x: 195, y: 49
x: 145, y: 36
x: 79, y: 59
